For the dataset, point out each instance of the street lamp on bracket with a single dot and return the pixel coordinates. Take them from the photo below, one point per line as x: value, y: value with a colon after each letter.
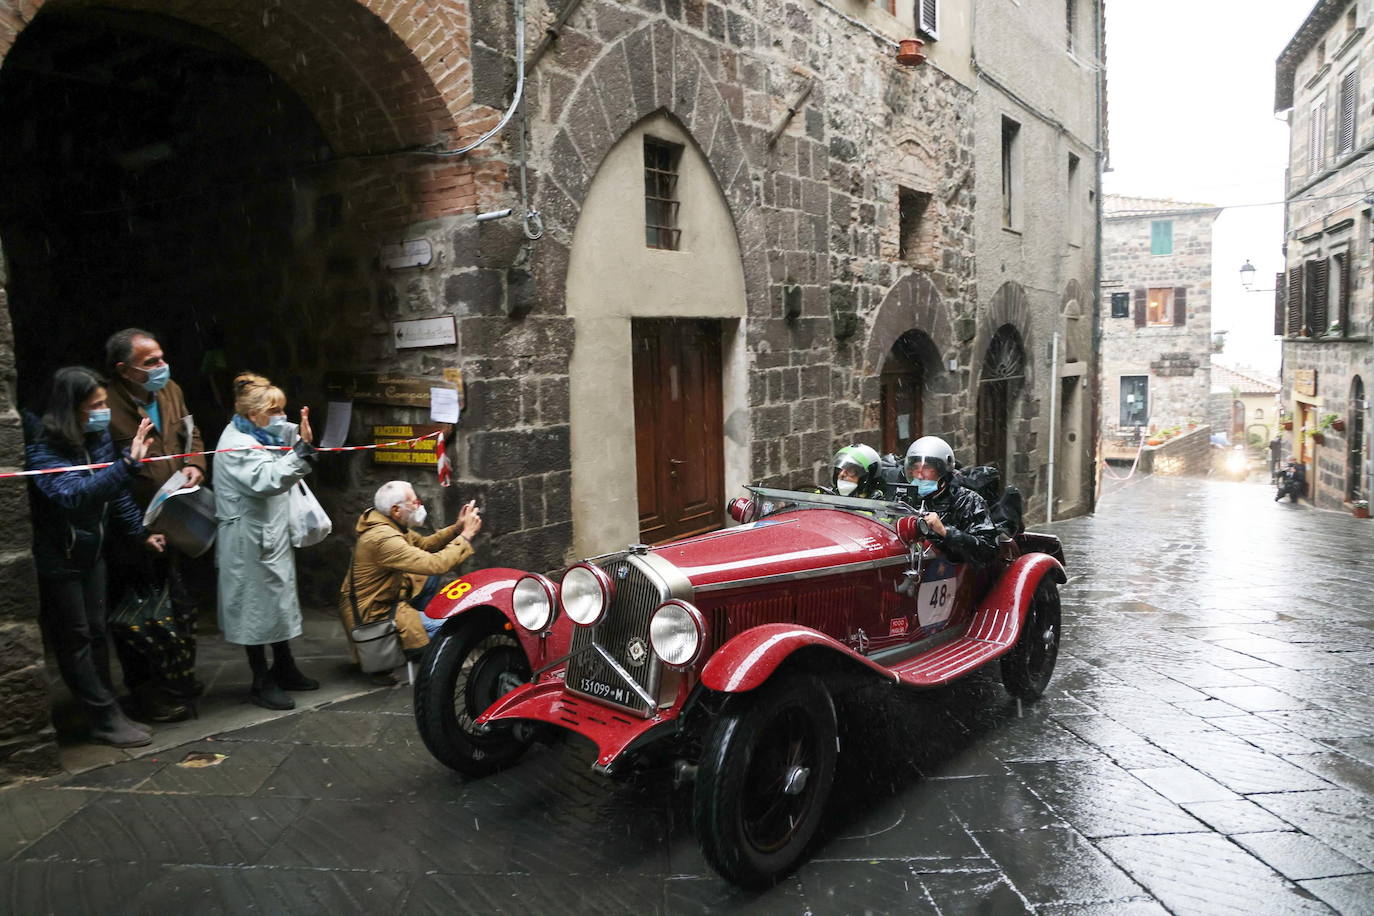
x: 1247, y: 278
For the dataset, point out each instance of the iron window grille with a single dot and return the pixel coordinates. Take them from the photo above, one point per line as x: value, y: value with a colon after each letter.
x: 661, y: 162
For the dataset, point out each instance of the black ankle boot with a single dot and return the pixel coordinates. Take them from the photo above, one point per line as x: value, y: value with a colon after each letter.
x: 269, y: 695
x: 289, y: 677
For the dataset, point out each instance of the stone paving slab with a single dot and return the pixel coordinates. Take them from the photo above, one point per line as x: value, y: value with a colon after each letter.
x: 1207, y: 746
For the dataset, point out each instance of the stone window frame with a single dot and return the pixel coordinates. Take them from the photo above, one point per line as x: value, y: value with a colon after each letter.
x: 1073, y: 183
x: 1012, y: 181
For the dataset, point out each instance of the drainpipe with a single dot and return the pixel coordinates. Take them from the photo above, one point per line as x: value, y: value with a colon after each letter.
x: 1094, y: 443
x: 1054, y: 390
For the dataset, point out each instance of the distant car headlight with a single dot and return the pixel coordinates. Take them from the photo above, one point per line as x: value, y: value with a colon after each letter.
x: 585, y: 593
x: 677, y: 632
x: 533, y: 602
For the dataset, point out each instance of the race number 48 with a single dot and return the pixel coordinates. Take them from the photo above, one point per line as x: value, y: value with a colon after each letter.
x: 457, y: 589
x: 934, y: 600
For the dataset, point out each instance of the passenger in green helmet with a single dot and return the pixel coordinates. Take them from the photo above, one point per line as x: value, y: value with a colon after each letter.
x: 857, y: 471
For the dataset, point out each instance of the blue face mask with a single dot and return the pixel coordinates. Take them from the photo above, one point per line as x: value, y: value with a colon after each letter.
x: 157, y: 378
x: 927, y: 487
x: 277, y: 424
x: 97, y: 421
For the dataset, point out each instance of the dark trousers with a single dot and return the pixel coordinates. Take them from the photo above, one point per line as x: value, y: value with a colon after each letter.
x: 73, y: 615
x: 133, y: 570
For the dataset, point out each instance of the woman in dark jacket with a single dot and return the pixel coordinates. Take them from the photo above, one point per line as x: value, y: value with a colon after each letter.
x: 71, y: 511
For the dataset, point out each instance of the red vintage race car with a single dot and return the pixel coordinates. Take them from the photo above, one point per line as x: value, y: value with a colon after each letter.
x: 721, y: 654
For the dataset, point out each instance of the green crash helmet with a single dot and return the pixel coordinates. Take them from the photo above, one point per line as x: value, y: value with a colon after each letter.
x: 865, y: 466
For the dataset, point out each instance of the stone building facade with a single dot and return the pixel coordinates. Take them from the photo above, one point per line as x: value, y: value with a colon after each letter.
x: 1037, y: 235
x: 1324, y: 307
x: 720, y: 213
x: 1156, y: 314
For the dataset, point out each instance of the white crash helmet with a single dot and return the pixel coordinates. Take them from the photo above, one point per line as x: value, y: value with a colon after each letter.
x: 931, y: 452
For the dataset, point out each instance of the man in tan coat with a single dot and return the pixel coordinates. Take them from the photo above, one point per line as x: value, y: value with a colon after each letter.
x: 394, y: 565
x: 141, y: 386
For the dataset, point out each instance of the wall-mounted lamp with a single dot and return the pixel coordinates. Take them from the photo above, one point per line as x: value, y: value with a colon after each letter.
x: 1247, y: 279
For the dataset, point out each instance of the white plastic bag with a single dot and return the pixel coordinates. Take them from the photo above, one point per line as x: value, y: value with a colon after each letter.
x: 308, y: 521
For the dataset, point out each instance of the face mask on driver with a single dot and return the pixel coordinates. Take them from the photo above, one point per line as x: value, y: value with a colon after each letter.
x: 927, y: 487
x: 845, y: 487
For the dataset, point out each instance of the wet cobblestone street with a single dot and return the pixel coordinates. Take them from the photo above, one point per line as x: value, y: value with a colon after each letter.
x: 1206, y: 746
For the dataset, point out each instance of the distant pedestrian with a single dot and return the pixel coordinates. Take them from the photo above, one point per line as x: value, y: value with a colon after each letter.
x: 70, y: 514
x: 1275, y: 454
x: 142, y: 387
x: 258, y: 603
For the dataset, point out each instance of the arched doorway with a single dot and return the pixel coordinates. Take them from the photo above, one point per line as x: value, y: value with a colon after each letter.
x: 904, y: 377
x: 1354, y: 436
x: 1000, y: 383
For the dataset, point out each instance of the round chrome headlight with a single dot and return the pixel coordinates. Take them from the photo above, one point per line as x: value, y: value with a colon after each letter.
x: 677, y: 632
x: 585, y: 593
x: 532, y: 600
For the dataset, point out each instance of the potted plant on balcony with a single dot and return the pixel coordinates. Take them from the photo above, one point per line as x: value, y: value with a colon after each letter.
x: 1286, y: 420
x: 1360, y: 508
x: 1315, y: 435
x: 1331, y: 421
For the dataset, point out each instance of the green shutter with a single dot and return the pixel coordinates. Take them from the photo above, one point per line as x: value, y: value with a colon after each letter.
x: 1162, y: 237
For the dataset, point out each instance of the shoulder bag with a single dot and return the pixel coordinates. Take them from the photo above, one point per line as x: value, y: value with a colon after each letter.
x: 378, y: 643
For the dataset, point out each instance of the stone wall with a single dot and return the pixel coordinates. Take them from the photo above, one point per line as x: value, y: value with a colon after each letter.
x: 1188, y: 454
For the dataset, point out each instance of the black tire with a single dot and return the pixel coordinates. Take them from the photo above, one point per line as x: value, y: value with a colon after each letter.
x: 751, y: 828
x: 1293, y: 497
x: 466, y: 668
x: 1027, y: 668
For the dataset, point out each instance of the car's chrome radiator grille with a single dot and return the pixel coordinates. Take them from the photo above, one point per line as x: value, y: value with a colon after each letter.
x: 624, y: 633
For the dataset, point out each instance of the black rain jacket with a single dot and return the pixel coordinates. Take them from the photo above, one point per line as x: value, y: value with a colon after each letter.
x: 970, y: 535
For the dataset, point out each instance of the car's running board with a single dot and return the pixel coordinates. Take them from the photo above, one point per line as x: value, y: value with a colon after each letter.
x: 992, y: 633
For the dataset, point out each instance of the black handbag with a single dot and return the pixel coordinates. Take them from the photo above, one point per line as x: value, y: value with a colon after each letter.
x: 378, y: 643
x: 145, y: 623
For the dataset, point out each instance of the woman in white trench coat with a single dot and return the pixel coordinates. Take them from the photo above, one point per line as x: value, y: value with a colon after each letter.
x: 258, y: 603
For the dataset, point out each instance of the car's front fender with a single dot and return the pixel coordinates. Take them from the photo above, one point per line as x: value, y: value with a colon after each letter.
x: 492, y: 588
x: 1010, y: 598
x: 750, y: 658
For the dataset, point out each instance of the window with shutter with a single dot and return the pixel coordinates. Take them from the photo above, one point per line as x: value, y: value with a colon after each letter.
x: 1159, y: 308
x: 1279, y: 304
x: 928, y: 18
x: 1162, y: 236
x: 1350, y: 93
x: 1314, y: 324
x: 1180, y: 306
x: 1140, y: 306
x: 1343, y: 296
x: 1317, y: 136
x: 1295, y: 279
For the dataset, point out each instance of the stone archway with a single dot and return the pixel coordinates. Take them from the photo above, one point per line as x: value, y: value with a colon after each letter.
x: 370, y: 83
x: 650, y: 79
x: 1003, y: 401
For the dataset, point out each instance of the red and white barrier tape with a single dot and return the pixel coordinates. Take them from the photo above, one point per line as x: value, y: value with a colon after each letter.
x: 246, y: 448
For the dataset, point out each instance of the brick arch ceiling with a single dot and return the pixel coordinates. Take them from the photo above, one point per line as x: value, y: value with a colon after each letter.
x: 652, y: 69
x: 377, y: 74
x: 912, y: 302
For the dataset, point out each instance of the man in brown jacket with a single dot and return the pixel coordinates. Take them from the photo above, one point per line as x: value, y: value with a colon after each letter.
x: 393, y: 565
x: 141, y: 386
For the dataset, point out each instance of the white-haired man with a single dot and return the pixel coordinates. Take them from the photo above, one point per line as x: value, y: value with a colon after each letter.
x: 395, y: 566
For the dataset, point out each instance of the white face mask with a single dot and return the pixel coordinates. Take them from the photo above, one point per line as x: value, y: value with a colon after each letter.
x: 418, y: 516
x: 845, y: 487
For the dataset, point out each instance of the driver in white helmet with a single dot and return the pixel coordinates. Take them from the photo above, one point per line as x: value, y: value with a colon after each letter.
x: 957, y: 516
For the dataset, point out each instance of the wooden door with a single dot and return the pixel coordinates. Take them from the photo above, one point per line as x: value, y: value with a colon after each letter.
x: 679, y: 445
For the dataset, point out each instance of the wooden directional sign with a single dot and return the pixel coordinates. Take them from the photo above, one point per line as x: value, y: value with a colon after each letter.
x: 389, y: 388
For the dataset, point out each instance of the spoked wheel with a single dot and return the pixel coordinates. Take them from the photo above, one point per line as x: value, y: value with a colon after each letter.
x: 464, y: 671
x: 765, y: 778
x: 1027, y: 668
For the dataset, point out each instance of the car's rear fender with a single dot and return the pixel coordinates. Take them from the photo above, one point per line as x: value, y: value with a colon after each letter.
x: 750, y: 658
x: 1012, y: 595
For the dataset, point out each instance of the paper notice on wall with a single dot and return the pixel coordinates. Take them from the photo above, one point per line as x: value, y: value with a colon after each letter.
x: 336, y: 424
x: 443, y: 405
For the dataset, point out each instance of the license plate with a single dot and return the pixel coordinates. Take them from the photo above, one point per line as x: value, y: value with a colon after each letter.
x: 934, y: 601
x: 622, y: 696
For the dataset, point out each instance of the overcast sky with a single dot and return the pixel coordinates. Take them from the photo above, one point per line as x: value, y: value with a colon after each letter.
x: 1191, y: 114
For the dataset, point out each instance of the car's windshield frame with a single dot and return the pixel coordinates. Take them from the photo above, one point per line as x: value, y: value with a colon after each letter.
x: 884, y: 511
